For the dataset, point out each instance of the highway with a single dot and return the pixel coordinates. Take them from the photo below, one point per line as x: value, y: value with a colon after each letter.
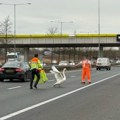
x: 99, y: 100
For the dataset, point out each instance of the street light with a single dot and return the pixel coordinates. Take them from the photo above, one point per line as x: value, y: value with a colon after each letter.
x: 61, y: 24
x: 14, y: 5
x: 99, y: 53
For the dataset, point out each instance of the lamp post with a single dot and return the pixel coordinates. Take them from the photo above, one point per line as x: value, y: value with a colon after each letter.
x: 61, y: 29
x: 14, y: 5
x: 99, y: 53
x: 61, y: 25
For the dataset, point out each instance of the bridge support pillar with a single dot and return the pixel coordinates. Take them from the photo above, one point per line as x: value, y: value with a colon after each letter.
x: 100, y: 51
x: 26, y: 54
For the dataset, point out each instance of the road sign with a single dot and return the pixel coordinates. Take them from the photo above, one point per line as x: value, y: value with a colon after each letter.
x: 118, y: 38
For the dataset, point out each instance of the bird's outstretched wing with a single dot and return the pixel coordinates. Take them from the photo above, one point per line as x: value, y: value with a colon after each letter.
x: 58, y: 75
x: 55, y: 69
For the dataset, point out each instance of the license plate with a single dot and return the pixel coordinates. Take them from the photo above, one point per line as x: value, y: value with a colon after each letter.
x: 9, y: 71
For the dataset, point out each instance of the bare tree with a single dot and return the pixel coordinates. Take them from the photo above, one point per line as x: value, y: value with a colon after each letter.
x: 52, y: 30
x: 5, y: 29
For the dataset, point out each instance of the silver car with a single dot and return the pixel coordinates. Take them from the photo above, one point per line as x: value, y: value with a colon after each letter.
x: 63, y: 63
x: 103, y: 63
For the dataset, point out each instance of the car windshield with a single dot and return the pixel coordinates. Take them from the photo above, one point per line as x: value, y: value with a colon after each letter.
x: 12, y: 64
x: 102, y: 60
x: 11, y: 56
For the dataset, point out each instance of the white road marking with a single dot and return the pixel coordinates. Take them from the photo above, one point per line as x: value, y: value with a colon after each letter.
x: 50, y: 80
x: 73, y: 76
x: 53, y: 99
x: 14, y: 87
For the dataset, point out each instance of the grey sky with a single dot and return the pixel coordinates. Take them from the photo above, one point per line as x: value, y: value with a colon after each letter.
x: 35, y: 18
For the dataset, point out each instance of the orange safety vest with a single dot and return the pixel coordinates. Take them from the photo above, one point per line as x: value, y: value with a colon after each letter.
x: 86, y: 64
x: 35, y: 63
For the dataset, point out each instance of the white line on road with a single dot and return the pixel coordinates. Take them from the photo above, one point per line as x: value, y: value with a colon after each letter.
x: 53, y: 99
x: 73, y: 76
x: 14, y: 87
x: 51, y: 80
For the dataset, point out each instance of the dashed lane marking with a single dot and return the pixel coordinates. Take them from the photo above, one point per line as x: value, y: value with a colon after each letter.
x: 73, y: 76
x: 51, y: 80
x: 14, y: 87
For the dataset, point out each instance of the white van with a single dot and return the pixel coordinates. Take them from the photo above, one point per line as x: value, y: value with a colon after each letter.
x: 103, y: 63
x: 12, y: 56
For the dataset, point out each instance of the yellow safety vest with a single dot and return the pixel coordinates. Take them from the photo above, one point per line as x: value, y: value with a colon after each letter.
x: 35, y: 63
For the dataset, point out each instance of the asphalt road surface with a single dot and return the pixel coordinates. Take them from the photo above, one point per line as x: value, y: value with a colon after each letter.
x: 99, y: 100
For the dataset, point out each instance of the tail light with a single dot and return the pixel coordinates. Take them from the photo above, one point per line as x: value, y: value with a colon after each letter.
x: 1, y: 69
x: 19, y: 70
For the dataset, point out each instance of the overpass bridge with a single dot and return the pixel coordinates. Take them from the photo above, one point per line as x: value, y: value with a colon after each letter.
x: 57, y: 40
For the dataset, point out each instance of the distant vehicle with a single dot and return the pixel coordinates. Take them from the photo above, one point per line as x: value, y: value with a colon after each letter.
x: 118, y: 61
x: 47, y: 52
x: 54, y: 62
x: 14, y: 56
x: 71, y: 62
x: 43, y: 64
x: 93, y: 62
x: 15, y: 70
x: 103, y: 63
x: 63, y: 63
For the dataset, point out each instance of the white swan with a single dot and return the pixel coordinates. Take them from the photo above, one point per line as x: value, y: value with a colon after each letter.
x: 60, y: 77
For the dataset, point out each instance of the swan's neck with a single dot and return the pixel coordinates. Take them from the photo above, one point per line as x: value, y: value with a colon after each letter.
x: 64, y: 74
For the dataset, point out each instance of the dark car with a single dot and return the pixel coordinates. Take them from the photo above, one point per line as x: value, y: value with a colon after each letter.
x: 15, y: 70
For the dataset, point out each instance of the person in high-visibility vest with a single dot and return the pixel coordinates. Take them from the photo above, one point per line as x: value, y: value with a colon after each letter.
x: 35, y: 65
x: 86, y: 70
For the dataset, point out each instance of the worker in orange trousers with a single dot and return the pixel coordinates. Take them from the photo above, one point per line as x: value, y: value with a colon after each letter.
x: 86, y: 70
